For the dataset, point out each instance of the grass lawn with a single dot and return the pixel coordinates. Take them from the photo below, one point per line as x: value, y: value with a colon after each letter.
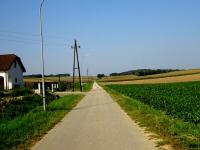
x: 173, y: 131
x: 23, y: 130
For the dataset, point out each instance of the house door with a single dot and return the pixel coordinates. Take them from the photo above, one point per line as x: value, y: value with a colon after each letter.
x: 1, y: 83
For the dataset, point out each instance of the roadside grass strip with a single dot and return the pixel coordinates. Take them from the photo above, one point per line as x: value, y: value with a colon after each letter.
x: 26, y: 129
x: 181, y: 135
x: 86, y: 86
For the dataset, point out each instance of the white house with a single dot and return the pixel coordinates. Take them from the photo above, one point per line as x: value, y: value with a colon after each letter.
x: 11, y: 71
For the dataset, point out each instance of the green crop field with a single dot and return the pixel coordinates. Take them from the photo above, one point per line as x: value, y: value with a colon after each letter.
x: 181, y: 100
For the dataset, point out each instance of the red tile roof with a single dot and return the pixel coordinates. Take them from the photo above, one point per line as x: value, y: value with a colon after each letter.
x: 7, y: 60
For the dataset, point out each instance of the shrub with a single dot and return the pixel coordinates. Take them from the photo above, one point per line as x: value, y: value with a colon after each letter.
x: 100, y: 76
x: 2, y: 94
x: 20, y: 107
x: 50, y: 97
x: 21, y: 131
x: 62, y: 86
x: 20, y: 92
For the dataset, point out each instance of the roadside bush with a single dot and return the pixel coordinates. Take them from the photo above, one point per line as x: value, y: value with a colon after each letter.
x: 20, y: 107
x: 2, y: 94
x: 62, y: 86
x: 23, y: 131
x: 50, y: 97
x: 23, y: 91
x: 31, y: 85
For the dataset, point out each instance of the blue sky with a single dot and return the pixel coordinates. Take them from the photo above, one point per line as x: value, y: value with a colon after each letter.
x: 115, y: 35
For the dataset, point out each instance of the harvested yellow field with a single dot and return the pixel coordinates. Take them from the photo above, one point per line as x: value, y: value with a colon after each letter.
x: 176, y: 73
x: 186, y: 78
x: 119, y: 78
x: 56, y: 79
x: 163, y: 75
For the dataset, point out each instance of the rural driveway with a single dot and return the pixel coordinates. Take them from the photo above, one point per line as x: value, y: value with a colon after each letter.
x: 96, y: 123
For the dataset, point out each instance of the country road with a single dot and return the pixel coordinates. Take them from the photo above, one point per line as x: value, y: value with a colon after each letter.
x: 96, y: 123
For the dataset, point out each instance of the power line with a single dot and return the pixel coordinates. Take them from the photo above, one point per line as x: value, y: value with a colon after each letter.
x: 21, y: 33
x: 35, y: 42
x: 19, y: 41
x: 21, y: 38
x: 31, y: 34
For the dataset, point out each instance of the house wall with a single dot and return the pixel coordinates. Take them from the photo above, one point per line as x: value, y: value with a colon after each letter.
x: 15, y: 76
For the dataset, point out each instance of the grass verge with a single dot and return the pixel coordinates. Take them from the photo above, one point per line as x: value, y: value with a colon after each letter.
x: 87, y: 86
x: 175, y: 132
x: 22, y: 131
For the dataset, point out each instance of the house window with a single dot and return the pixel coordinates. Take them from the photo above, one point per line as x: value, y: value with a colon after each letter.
x: 15, y: 64
x: 15, y: 80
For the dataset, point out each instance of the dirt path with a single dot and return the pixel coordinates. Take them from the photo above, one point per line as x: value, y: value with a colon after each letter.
x: 97, y: 123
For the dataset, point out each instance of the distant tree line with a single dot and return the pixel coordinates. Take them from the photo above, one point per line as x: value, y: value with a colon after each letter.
x: 144, y: 72
x: 50, y: 75
x: 100, y: 76
x: 57, y: 75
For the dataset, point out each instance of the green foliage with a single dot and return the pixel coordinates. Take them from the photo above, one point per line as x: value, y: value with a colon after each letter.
x: 2, y: 94
x: 19, y: 108
x: 114, y: 74
x: 100, y: 76
x: 19, y: 132
x: 62, y: 86
x: 180, y: 100
x: 144, y: 72
x: 76, y: 86
x: 22, y: 91
x: 64, y: 103
x: 87, y: 86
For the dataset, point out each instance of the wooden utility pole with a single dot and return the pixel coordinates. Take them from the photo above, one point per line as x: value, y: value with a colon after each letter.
x: 88, y: 74
x: 76, y: 60
x: 58, y: 78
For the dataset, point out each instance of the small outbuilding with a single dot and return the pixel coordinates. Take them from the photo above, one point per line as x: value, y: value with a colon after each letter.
x: 11, y: 71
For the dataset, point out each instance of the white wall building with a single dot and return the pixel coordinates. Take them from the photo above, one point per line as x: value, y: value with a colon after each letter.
x: 11, y: 71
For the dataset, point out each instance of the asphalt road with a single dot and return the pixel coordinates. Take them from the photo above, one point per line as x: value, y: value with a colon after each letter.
x: 97, y: 123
